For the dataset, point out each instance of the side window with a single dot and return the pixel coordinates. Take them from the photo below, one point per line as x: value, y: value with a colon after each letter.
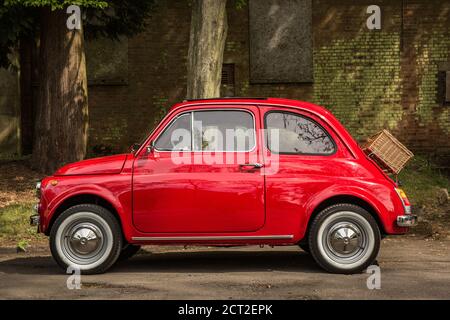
x: 223, y: 130
x: 294, y: 134
x: 177, y: 135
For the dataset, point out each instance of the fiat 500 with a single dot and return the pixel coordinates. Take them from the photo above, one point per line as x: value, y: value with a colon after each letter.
x: 227, y: 172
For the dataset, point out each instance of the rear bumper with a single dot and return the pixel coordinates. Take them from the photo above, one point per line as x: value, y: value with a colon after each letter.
x: 407, y: 220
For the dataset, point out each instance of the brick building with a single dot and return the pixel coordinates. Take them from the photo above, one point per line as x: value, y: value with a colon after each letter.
x: 315, y: 50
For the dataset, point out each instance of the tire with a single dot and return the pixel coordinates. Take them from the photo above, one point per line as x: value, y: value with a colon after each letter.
x: 344, y: 238
x: 128, y: 251
x: 87, y: 237
x: 305, y: 247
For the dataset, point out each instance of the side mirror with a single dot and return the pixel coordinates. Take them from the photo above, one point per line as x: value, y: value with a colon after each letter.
x: 150, y: 147
x: 134, y: 147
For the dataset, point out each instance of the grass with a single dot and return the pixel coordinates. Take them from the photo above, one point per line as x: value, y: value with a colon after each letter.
x: 15, y: 227
x: 422, y: 181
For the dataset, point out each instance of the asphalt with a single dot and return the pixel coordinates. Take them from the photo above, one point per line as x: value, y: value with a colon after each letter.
x: 410, y: 268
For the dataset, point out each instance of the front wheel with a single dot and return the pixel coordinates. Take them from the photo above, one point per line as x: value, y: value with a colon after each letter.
x: 128, y: 251
x: 86, y: 237
x: 344, y: 238
x: 305, y: 247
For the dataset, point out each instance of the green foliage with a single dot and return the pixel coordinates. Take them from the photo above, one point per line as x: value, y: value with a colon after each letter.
x: 15, y: 22
x: 22, y: 244
x: 120, y: 18
x: 240, y: 4
x: 112, y: 18
x: 56, y: 4
x: 421, y: 181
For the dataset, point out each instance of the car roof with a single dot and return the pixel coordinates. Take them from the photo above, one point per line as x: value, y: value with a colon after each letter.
x: 254, y: 101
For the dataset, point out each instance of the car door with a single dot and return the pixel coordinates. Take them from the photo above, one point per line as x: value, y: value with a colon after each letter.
x: 303, y: 157
x: 200, y: 176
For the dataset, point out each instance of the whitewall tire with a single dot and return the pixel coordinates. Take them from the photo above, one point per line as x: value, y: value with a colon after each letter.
x: 344, y: 238
x: 86, y: 237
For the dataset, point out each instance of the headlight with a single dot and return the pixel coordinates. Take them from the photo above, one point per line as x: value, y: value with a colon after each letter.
x: 38, y: 190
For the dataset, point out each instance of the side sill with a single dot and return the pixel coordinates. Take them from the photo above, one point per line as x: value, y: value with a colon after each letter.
x: 213, y: 238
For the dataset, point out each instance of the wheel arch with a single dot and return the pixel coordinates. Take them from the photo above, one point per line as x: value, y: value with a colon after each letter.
x: 345, y: 198
x: 83, y: 198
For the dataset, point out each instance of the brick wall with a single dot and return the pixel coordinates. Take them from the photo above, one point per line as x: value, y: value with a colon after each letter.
x: 370, y: 79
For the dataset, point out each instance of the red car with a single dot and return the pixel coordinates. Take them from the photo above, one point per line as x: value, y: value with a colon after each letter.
x: 227, y: 172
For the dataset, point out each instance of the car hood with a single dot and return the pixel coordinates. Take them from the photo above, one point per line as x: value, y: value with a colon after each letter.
x: 103, y: 165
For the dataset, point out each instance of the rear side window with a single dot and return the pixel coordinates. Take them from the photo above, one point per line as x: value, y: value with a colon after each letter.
x: 291, y: 133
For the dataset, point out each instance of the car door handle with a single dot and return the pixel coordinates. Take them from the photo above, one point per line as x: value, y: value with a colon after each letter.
x: 254, y: 165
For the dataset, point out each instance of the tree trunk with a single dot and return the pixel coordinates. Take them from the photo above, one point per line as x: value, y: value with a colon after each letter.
x: 206, y: 45
x: 26, y: 45
x: 62, y: 111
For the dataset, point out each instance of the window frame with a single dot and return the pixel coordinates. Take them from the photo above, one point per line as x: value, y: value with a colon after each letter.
x: 192, y: 130
x: 167, y: 127
x: 266, y: 137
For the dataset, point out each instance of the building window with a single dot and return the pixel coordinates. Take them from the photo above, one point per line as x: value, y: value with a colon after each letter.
x: 281, y: 41
x: 227, y: 84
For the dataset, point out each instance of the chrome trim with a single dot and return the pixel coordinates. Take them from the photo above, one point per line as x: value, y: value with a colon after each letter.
x: 408, y: 209
x: 35, y: 220
x: 407, y: 221
x: 254, y: 165
x: 271, y: 237
x: 38, y: 189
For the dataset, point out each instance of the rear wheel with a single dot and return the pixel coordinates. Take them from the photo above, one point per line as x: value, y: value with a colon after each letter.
x: 344, y: 238
x: 87, y: 237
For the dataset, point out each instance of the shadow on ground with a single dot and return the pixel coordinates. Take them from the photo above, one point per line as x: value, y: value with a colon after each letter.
x: 182, y: 262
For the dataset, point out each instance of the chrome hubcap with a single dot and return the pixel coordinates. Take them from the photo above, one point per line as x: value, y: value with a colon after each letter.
x: 345, y: 239
x: 85, y: 240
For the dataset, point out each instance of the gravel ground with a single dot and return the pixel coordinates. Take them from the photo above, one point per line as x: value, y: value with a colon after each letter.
x: 411, y: 268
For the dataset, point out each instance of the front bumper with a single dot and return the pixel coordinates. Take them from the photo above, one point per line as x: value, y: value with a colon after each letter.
x: 407, y: 220
x: 35, y: 218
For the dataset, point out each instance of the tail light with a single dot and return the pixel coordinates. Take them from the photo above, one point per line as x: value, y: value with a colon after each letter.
x: 405, y: 201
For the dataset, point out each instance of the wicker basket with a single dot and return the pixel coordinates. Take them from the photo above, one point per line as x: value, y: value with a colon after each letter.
x: 387, y: 151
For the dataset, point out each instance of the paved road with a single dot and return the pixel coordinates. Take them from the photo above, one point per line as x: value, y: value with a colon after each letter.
x: 410, y: 269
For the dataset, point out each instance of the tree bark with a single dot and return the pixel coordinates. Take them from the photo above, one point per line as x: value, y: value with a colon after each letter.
x: 206, y: 46
x: 26, y: 45
x: 62, y: 111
